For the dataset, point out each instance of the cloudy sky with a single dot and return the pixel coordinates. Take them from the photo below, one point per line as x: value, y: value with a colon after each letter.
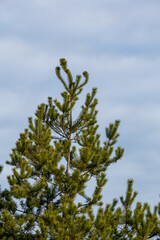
x: 118, y: 43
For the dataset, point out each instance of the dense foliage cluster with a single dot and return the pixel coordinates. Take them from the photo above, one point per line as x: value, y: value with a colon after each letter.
x: 52, y: 163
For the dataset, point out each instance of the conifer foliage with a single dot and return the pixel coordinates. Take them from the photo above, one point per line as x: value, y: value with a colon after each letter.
x: 53, y: 162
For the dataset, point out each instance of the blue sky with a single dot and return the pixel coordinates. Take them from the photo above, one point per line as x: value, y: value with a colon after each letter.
x: 118, y: 43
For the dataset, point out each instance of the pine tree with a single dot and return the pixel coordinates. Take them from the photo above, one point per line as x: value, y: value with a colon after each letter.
x: 53, y: 162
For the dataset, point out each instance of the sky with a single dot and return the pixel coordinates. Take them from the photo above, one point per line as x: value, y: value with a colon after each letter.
x: 118, y: 43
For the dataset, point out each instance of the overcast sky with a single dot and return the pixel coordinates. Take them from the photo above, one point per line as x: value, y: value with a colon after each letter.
x: 118, y: 43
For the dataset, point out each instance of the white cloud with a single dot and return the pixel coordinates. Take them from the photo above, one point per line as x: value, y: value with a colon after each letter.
x: 22, y: 59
